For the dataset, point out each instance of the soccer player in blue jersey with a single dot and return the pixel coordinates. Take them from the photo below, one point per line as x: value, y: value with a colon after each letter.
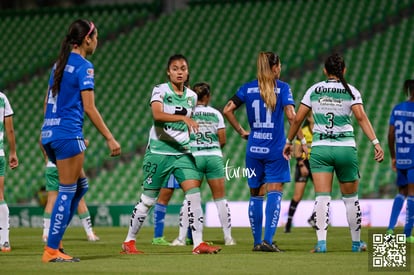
x: 267, y: 99
x: 332, y: 102
x: 401, y: 145
x: 70, y: 94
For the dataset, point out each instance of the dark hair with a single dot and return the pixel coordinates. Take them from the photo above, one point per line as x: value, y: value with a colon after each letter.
x: 335, y: 65
x: 202, y: 89
x: 176, y: 57
x: 409, y: 87
x: 179, y: 57
x: 77, y: 31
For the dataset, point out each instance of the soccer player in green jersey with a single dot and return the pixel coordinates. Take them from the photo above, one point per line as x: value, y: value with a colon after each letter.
x: 332, y: 102
x: 169, y: 152
x: 6, y: 126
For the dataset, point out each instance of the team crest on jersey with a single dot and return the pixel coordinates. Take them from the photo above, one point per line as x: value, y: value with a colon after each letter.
x: 90, y: 71
x: 190, y: 102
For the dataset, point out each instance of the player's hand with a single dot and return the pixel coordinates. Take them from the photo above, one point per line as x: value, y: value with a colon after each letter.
x: 191, y: 124
x: 379, y: 153
x: 114, y: 147
x: 394, y: 164
x: 13, y: 161
x: 287, y: 151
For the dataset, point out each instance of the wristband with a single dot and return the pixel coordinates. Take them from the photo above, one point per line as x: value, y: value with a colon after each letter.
x: 375, y: 141
x: 288, y: 141
x: 303, y: 141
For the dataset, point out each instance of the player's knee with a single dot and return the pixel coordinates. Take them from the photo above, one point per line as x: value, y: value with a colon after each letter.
x: 148, y: 201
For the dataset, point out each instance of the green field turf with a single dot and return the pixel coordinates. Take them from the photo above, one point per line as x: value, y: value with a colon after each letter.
x: 103, y: 257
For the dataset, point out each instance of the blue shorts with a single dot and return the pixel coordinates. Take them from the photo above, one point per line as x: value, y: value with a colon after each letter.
x: 63, y: 149
x: 172, y: 183
x: 405, y: 176
x: 259, y: 171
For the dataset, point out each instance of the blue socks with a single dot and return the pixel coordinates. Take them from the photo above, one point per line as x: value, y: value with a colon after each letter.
x: 61, y: 214
x: 82, y: 188
x: 159, y: 216
x: 274, y: 199
x: 396, y: 209
x: 410, y: 216
x: 256, y: 218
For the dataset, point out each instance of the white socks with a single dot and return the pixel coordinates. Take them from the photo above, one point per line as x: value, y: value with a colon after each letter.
x: 354, y: 216
x: 4, y: 223
x: 321, y: 209
x: 224, y: 216
x: 138, y: 216
x: 195, y: 216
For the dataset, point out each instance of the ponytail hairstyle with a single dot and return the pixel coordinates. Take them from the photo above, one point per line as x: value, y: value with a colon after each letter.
x: 409, y: 88
x: 77, y: 31
x: 266, y: 77
x: 335, y: 65
x: 202, y: 89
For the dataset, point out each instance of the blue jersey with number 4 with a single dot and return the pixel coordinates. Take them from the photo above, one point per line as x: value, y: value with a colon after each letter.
x: 267, y: 135
x: 402, y: 118
x: 64, y: 112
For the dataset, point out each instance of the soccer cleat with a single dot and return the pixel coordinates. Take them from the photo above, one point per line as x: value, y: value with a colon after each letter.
x: 160, y: 241
x: 5, y: 247
x: 320, y: 247
x: 409, y: 239
x: 92, y: 237
x: 229, y: 241
x: 56, y: 256
x: 359, y: 246
x: 257, y: 248
x: 390, y: 232
x: 204, y: 248
x: 178, y: 242
x: 267, y: 247
x: 129, y: 248
x: 363, y: 246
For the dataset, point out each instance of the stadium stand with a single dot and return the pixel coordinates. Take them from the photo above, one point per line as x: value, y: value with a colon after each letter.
x: 221, y: 41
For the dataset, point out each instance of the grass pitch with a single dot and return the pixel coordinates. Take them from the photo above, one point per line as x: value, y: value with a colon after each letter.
x: 103, y: 257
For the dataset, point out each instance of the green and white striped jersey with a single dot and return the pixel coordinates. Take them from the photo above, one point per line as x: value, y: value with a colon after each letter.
x: 331, y: 106
x: 5, y: 110
x: 205, y: 142
x: 172, y: 138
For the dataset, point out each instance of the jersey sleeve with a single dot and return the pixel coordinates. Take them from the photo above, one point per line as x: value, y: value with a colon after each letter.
x: 392, y: 118
x: 221, y: 124
x: 157, y: 94
x: 306, y: 100
x: 86, y: 77
x: 51, y: 75
x: 241, y: 93
x: 8, y: 111
x: 357, y: 95
x: 287, y: 97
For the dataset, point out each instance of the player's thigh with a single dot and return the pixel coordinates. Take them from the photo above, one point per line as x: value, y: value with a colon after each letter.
x: 346, y: 164
x: 157, y: 169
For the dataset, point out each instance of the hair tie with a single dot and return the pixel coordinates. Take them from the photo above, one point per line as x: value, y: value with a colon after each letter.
x: 92, y: 27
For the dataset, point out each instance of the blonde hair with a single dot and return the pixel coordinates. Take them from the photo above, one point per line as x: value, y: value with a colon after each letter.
x: 266, y: 78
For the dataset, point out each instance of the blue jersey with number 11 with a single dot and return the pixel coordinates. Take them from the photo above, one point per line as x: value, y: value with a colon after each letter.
x: 402, y: 117
x: 267, y: 135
